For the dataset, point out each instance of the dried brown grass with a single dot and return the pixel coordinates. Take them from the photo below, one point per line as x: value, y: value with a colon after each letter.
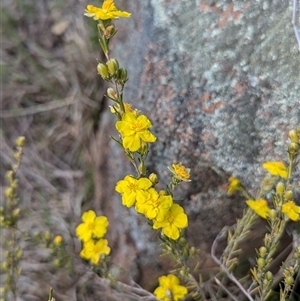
x: 50, y: 94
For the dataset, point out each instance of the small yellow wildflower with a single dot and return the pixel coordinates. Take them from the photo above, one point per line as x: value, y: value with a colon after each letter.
x: 57, y: 240
x: 291, y: 210
x: 169, y: 289
x: 154, y: 205
x: 234, y: 185
x: 91, y: 226
x: 127, y: 106
x: 180, y: 172
x: 106, y: 12
x: 93, y: 250
x: 276, y: 169
x: 134, y: 130
x: 174, y: 220
x: 133, y: 189
x: 260, y: 207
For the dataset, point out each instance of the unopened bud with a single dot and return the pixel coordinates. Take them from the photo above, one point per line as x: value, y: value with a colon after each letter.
x: 153, y: 178
x: 289, y: 280
x: 16, y: 212
x: 269, y: 276
x: 19, y: 254
x: 9, y: 192
x: 293, y: 148
x: 280, y: 188
x: 263, y: 251
x: 272, y: 214
x: 111, y: 93
x: 103, y: 71
x: 288, y: 195
x: 261, y: 262
x: 293, y: 136
x: 192, y: 250
x: 10, y: 176
x: 122, y: 76
x: 20, y: 141
x: 47, y: 235
x: 113, y: 66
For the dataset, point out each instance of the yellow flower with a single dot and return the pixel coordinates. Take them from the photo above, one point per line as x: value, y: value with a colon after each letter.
x: 234, y: 185
x: 133, y: 189
x: 174, y: 220
x: 93, y: 250
x: 260, y: 207
x: 154, y: 205
x: 169, y: 289
x: 276, y: 169
x: 108, y: 11
x: 127, y: 106
x: 291, y: 210
x: 134, y: 130
x: 91, y: 226
x: 57, y: 240
x: 180, y: 172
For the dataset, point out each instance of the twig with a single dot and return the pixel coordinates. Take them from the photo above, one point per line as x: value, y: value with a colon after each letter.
x: 225, y: 289
x: 229, y: 275
x: 38, y: 108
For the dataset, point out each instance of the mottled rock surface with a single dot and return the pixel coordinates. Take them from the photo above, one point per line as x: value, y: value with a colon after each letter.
x: 220, y: 81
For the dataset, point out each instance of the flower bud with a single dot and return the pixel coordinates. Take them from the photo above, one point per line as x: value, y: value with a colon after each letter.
x: 261, y: 262
x: 9, y: 192
x: 153, y: 178
x: 20, y: 141
x: 293, y: 148
x: 263, y: 251
x: 47, y: 236
x: 269, y: 276
x: 280, y: 188
x: 288, y: 195
x: 122, y: 76
x: 111, y: 93
x: 16, y: 212
x: 289, y: 280
x: 113, y: 66
x: 10, y: 176
x: 109, y: 31
x: 272, y: 214
x: 19, y: 254
x: 293, y: 136
x: 103, y: 71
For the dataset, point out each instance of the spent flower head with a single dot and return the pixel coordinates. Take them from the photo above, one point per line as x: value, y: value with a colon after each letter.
x: 92, y: 226
x: 180, y: 172
x: 93, y: 250
x: 174, y: 220
x: 135, y: 131
x: 276, y: 169
x: 260, y: 207
x: 106, y: 12
x: 169, y: 289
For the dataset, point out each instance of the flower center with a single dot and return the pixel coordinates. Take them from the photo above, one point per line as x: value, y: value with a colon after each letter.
x: 137, y: 126
x: 171, y: 218
x: 132, y: 186
x: 91, y: 226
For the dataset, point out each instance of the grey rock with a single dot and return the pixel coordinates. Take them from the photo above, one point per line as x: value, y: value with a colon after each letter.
x: 220, y: 81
